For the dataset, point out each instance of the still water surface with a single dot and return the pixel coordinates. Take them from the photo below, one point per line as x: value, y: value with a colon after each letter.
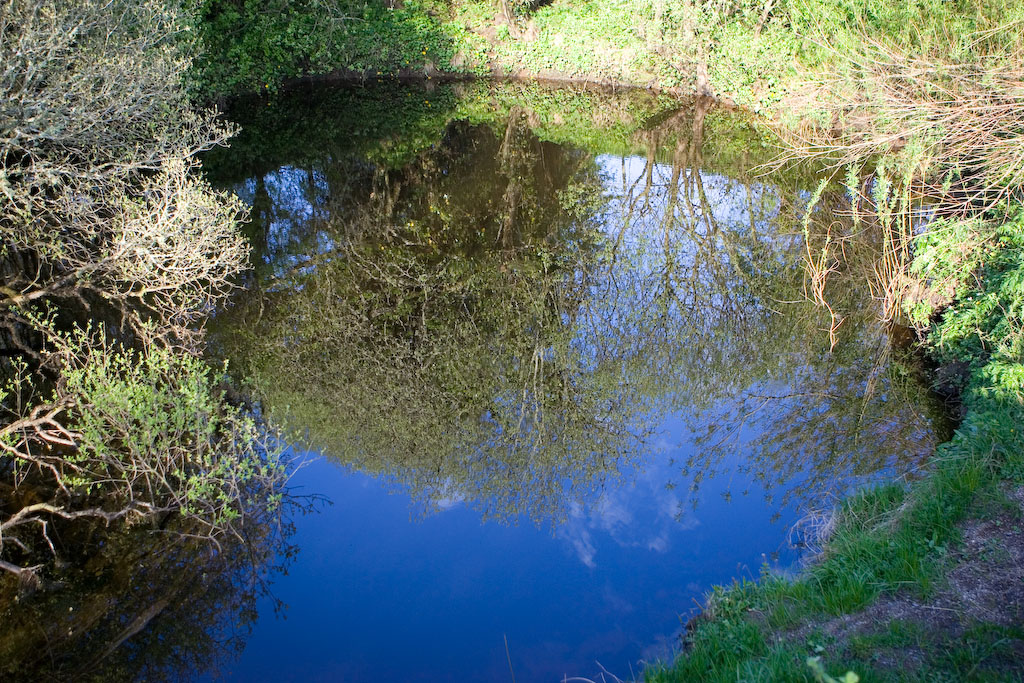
x: 550, y: 356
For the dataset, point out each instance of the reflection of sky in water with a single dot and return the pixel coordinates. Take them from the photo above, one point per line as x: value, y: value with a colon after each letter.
x: 299, y: 199
x: 376, y: 595
x: 655, y: 251
x: 726, y: 197
x: 381, y: 593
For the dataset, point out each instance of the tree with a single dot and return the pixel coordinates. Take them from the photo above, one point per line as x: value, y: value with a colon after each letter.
x: 113, y: 251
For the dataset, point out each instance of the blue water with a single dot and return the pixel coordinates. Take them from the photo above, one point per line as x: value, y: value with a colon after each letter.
x: 738, y: 416
x: 380, y: 593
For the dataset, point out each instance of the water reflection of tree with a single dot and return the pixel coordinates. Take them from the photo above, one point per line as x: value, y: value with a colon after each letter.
x: 758, y: 373
x: 428, y: 334
x: 706, y: 292
x: 137, y: 605
x: 495, y: 322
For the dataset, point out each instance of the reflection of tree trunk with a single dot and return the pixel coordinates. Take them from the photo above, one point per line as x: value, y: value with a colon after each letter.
x: 652, y: 160
x: 750, y: 196
x: 509, y: 159
x: 511, y: 127
x: 633, y: 196
x: 678, y: 168
x: 140, y: 622
x: 700, y: 110
x: 263, y: 210
x: 689, y: 156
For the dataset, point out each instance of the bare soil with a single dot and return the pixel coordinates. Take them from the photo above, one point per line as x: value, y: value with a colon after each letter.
x: 984, y: 588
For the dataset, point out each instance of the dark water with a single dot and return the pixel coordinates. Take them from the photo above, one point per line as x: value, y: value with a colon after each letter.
x: 550, y: 356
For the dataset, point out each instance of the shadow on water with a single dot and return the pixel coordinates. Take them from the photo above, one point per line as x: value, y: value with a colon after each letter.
x: 138, y: 605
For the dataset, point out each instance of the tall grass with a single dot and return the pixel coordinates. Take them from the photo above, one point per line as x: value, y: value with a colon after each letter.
x: 921, y: 131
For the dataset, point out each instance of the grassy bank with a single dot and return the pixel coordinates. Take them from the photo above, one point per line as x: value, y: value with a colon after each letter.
x: 756, y: 53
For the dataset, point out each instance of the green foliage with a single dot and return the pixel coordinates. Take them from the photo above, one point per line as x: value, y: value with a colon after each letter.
x: 984, y: 324
x: 249, y: 46
x: 822, y: 676
x: 153, y: 420
x: 412, y: 38
x: 252, y: 44
x: 947, y: 256
x: 256, y: 46
x: 104, y: 219
x: 752, y: 51
x: 920, y: 26
x: 984, y: 328
x: 753, y: 70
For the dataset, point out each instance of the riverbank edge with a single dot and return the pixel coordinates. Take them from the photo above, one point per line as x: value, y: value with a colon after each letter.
x: 883, y: 545
x: 350, y: 77
x: 884, y: 541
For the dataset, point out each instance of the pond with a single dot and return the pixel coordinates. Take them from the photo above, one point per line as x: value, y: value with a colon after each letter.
x: 552, y: 357
x: 549, y: 361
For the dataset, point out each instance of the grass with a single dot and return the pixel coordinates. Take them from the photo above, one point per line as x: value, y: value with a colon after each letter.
x: 747, y: 630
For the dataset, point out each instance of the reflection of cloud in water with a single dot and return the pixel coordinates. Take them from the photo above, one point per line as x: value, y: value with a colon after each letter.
x: 640, y: 514
x: 447, y: 497
x: 449, y: 502
x: 581, y: 542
